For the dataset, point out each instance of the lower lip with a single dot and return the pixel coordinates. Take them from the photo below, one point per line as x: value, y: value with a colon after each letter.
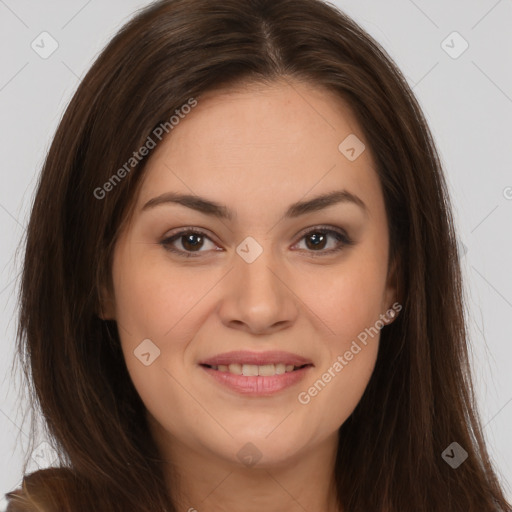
x: 258, y: 385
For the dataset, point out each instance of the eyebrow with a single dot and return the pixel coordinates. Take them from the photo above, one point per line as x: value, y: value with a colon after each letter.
x: 220, y: 211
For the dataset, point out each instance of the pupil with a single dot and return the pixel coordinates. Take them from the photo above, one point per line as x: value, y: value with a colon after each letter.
x: 189, y: 241
x: 318, y: 240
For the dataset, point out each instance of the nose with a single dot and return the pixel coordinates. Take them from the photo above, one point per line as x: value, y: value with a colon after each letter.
x: 258, y: 297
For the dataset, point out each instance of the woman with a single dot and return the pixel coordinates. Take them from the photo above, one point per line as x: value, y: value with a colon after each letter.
x: 241, y: 286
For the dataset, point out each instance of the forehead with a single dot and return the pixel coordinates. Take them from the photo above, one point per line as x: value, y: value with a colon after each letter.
x: 262, y: 143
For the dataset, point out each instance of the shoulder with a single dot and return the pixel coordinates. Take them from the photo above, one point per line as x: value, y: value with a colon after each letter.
x: 46, y: 490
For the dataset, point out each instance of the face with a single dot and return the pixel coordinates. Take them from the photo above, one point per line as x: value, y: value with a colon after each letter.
x: 240, y: 308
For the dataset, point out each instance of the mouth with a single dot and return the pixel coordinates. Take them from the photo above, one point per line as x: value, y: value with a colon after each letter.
x: 253, y: 370
x: 257, y: 374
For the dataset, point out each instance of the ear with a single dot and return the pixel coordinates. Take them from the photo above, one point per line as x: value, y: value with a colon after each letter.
x: 393, y: 292
x: 107, y: 304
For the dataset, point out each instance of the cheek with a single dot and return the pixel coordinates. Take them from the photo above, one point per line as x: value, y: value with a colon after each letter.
x: 152, y: 297
x: 148, y: 307
x: 351, y: 301
x: 164, y: 304
x: 351, y: 307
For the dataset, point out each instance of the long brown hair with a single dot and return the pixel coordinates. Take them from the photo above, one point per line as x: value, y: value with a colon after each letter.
x: 419, y: 399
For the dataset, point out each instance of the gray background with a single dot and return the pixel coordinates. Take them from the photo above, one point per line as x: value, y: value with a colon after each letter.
x: 467, y: 101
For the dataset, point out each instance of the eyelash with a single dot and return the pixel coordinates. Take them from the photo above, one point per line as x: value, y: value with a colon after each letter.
x: 343, y: 239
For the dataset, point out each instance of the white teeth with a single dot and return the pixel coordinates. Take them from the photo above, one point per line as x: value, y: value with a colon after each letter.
x: 280, y: 368
x: 252, y: 370
x: 235, y: 368
x: 266, y: 370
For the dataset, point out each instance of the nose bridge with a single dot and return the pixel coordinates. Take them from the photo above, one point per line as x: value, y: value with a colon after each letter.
x: 256, y: 269
x: 258, y: 297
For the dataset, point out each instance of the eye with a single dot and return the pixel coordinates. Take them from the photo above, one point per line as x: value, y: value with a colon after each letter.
x: 189, y: 241
x: 317, y: 240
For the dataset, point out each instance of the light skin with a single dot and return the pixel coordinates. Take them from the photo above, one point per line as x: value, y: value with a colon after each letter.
x: 256, y: 150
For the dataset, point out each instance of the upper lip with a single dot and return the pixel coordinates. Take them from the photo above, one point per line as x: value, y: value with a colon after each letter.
x: 256, y: 358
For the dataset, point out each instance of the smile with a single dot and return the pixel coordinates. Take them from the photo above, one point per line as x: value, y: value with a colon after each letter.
x: 253, y: 370
x: 256, y: 381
